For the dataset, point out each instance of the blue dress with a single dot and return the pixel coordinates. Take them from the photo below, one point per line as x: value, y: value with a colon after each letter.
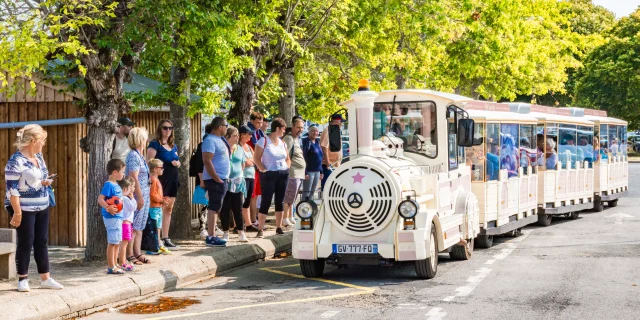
x: 135, y: 162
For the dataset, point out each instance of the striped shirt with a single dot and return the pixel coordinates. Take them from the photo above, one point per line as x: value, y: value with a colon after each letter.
x: 24, y: 180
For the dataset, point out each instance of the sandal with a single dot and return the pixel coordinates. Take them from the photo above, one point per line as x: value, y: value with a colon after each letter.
x: 143, y: 259
x: 127, y: 267
x: 135, y: 261
x: 115, y: 270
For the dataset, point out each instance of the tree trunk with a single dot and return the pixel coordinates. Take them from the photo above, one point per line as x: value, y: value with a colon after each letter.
x: 102, y: 113
x: 401, y: 81
x: 181, y: 218
x: 287, y: 102
x: 243, y: 95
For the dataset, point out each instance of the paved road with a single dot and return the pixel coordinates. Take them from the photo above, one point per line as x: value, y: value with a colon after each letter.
x: 583, y: 269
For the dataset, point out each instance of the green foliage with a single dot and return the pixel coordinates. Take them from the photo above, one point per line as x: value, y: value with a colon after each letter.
x: 610, y: 79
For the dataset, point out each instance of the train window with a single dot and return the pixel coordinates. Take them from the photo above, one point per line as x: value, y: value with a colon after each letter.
x: 585, y: 150
x: 413, y: 122
x: 604, y: 141
x: 614, y: 143
x: 493, y: 151
x: 567, y: 150
x: 622, y: 138
x: 509, y: 155
x: 528, y: 152
x: 475, y: 158
x: 452, y: 133
x: 596, y: 144
x: 540, y: 146
x: 551, y: 147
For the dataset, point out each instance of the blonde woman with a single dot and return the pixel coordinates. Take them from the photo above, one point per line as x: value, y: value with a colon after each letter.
x: 138, y: 170
x: 27, y: 201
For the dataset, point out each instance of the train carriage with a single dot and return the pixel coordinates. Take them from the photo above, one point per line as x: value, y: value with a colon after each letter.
x: 611, y: 167
x: 565, y: 168
x: 405, y: 192
x: 504, y: 169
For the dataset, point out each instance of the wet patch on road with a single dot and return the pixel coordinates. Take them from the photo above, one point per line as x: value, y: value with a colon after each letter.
x: 161, y: 305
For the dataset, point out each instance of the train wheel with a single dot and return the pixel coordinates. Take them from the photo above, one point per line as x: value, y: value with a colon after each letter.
x: 427, y: 268
x: 312, y: 268
x: 613, y: 203
x: 484, y: 241
x: 459, y: 252
x: 598, y: 206
x: 544, y: 220
x: 574, y: 215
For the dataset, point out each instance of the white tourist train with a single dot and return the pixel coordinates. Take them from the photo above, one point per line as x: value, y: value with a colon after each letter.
x: 432, y: 172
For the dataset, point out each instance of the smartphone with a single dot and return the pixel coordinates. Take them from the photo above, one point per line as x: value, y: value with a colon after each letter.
x: 53, y: 176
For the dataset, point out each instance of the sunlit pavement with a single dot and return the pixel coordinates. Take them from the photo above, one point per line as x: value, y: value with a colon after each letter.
x: 582, y: 269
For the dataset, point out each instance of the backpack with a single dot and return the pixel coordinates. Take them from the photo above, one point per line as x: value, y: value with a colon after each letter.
x: 195, y: 162
x: 150, y: 236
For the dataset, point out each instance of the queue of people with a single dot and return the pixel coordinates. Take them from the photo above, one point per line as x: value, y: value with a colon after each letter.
x: 242, y: 170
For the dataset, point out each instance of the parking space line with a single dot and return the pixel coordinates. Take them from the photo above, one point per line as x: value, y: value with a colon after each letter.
x: 361, y: 291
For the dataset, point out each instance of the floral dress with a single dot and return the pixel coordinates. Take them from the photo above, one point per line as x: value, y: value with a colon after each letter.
x: 135, y: 162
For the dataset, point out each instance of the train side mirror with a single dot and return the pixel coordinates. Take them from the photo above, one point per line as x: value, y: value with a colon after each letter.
x: 466, y: 130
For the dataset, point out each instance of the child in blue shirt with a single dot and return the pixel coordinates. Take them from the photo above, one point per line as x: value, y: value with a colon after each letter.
x: 111, y: 214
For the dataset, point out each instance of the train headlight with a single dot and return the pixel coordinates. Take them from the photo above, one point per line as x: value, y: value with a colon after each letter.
x: 306, y: 209
x: 408, y: 209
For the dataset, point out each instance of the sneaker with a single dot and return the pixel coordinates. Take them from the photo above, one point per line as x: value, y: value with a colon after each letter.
x: 286, y: 223
x: 219, y: 232
x: 169, y: 244
x: 153, y: 253
x: 215, y: 242
x: 260, y: 235
x: 51, y: 284
x: 279, y: 232
x: 204, y: 234
x: 251, y: 228
x: 255, y: 224
x: 164, y: 250
x: 243, y: 237
x: 225, y: 236
x: 292, y: 222
x: 23, y: 285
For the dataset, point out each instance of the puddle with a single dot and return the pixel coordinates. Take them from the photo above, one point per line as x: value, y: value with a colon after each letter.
x: 161, y: 305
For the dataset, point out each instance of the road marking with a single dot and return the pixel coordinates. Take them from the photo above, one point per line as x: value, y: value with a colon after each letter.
x: 287, y: 266
x: 490, y: 261
x: 436, y: 314
x: 361, y: 291
x: 328, y: 314
x: 448, y: 299
x: 619, y: 217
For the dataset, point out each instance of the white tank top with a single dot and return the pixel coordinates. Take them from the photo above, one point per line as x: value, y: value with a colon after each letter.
x: 274, y: 157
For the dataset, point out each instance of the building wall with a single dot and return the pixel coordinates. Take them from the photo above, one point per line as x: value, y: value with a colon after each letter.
x: 63, y: 156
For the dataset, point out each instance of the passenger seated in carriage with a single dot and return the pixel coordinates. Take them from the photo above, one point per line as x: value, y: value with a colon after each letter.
x: 552, y: 156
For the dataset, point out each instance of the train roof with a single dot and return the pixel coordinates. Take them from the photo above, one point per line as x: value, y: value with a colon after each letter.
x: 419, y: 95
x: 549, y: 114
x: 599, y: 116
x: 494, y: 112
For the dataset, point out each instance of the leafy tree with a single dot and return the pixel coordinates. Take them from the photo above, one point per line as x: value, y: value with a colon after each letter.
x: 610, y: 79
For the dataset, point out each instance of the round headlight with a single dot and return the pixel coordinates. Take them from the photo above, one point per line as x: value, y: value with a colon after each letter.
x: 306, y: 209
x: 408, y: 209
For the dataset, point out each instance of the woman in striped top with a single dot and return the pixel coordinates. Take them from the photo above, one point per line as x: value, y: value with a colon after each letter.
x: 27, y: 200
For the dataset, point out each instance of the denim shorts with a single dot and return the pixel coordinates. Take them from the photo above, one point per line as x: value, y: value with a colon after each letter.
x: 216, y: 192
x: 156, y: 214
x: 114, y: 230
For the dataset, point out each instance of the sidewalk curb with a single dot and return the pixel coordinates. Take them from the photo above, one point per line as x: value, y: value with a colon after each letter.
x: 87, y: 299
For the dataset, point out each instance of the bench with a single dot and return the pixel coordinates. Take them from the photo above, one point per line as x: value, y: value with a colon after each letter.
x: 7, y: 254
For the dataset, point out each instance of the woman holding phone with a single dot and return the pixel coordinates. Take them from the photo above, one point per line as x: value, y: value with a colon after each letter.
x: 27, y: 201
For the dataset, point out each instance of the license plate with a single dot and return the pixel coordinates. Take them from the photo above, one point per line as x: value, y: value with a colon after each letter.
x: 355, y: 248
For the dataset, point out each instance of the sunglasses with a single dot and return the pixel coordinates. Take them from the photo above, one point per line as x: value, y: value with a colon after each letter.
x: 167, y: 128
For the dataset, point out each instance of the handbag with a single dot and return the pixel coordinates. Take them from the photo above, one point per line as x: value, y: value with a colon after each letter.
x: 200, y: 196
x: 52, y: 197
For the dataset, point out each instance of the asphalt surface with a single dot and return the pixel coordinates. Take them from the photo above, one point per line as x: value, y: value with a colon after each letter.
x: 574, y: 269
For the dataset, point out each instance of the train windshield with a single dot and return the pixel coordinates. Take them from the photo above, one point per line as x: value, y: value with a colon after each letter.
x: 412, y: 122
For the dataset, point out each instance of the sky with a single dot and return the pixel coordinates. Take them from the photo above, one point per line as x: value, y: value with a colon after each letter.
x: 620, y: 7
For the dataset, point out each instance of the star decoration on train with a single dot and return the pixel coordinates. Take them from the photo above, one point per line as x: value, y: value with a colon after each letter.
x: 357, y: 178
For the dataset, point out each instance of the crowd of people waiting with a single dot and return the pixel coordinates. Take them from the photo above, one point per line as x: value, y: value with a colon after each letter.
x: 240, y: 170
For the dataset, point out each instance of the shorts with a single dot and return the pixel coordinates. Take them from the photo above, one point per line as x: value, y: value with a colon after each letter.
x: 169, y: 181
x: 156, y: 214
x: 216, y: 193
x: 292, y: 190
x: 126, y: 231
x: 114, y: 230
